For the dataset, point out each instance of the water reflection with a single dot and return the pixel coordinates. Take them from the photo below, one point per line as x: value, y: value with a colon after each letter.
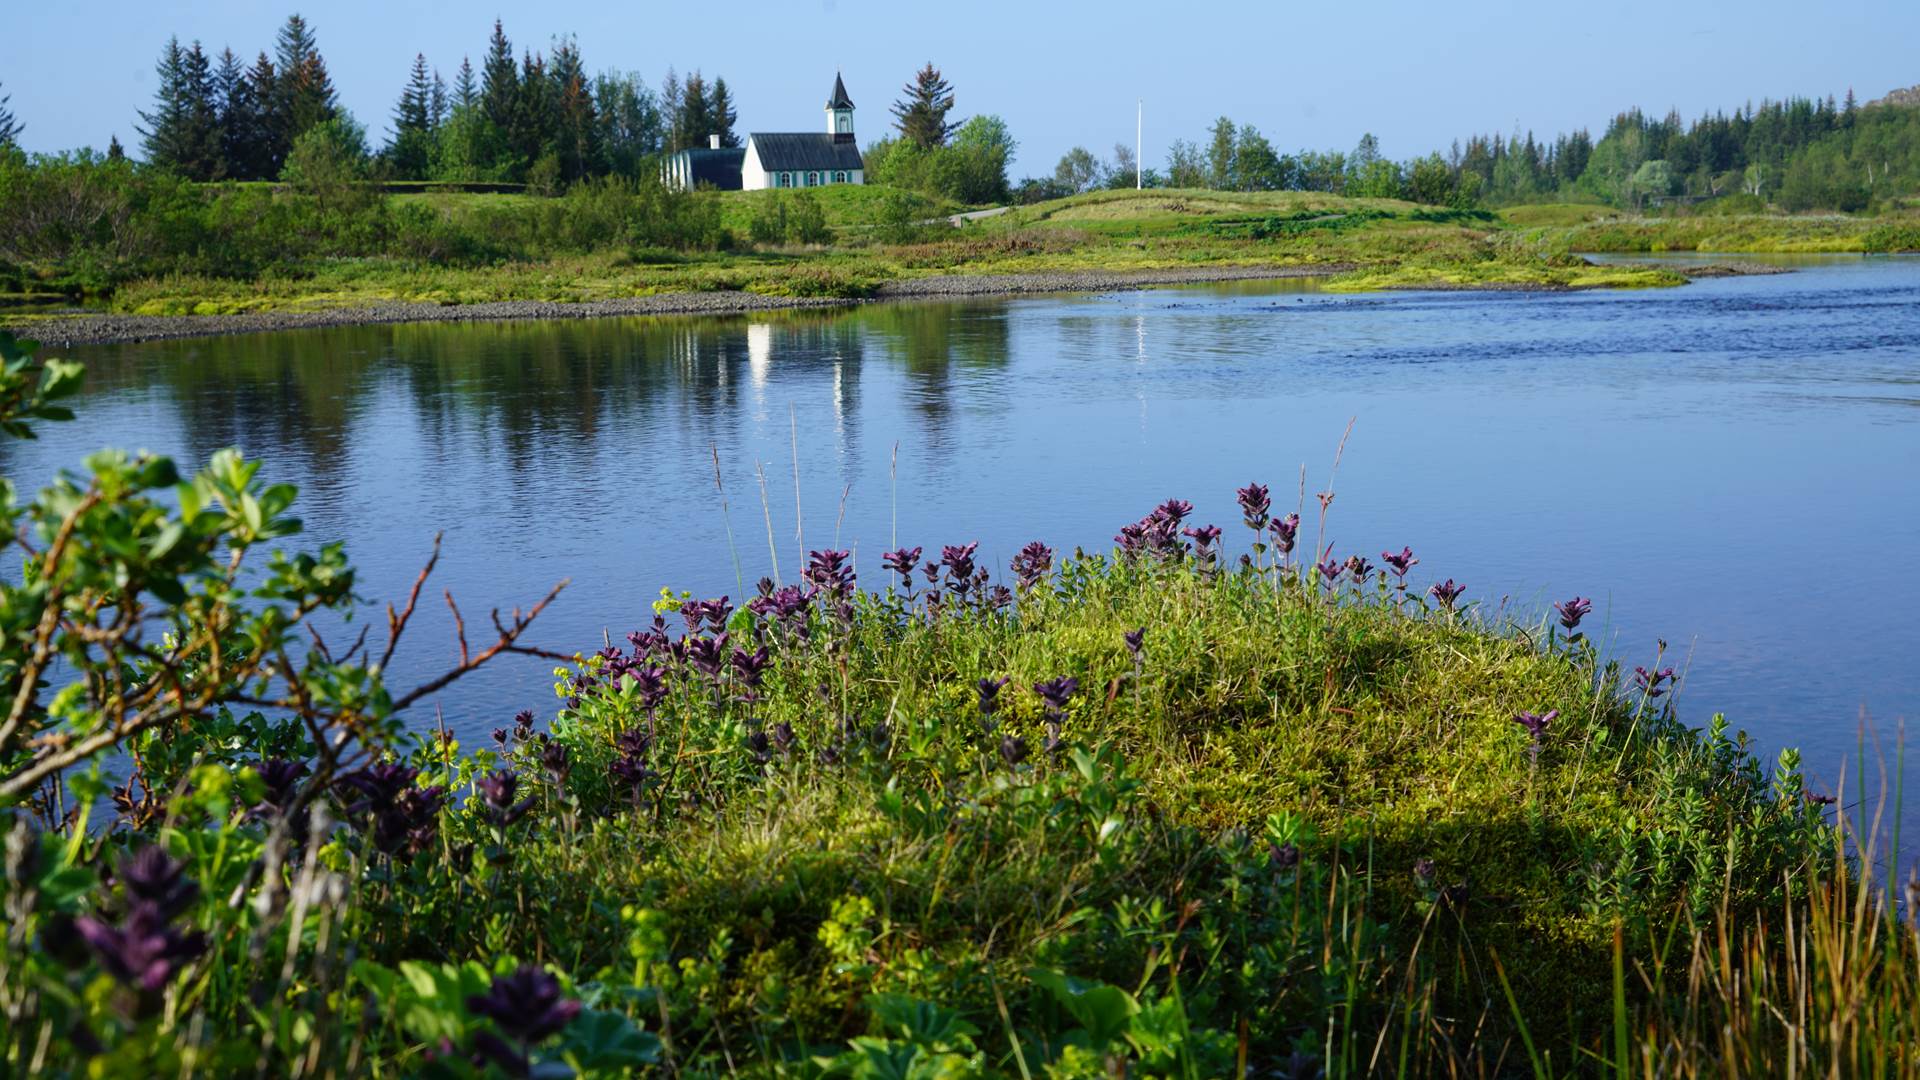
x: 1693, y: 457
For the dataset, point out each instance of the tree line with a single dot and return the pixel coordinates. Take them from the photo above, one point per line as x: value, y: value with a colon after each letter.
x: 538, y: 117
x: 1798, y: 154
x: 1237, y: 157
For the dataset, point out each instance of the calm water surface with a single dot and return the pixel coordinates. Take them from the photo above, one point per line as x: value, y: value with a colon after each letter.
x: 1733, y: 466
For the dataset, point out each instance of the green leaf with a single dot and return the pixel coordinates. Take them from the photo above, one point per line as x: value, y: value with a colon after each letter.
x: 601, y: 1040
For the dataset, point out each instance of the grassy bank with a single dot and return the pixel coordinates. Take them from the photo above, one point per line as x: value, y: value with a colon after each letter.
x: 1603, y: 230
x: 245, y: 249
x: 1161, y: 811
x: 242, y: 248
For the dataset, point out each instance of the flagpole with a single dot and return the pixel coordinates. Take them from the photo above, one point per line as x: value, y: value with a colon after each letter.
x: 1139, y: 115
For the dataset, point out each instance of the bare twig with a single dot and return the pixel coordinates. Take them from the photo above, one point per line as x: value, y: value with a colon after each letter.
x: 396, y: 623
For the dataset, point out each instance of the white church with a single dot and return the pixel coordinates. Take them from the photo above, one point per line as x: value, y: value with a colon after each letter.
x: 800, y: 159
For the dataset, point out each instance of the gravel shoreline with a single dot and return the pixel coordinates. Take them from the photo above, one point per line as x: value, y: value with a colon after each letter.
x: 121, y: 329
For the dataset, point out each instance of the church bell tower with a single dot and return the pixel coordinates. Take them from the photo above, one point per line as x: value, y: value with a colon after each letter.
x: 840, y: 112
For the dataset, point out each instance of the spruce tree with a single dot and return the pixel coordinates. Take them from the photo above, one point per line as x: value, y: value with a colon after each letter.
x: 577, y: 134
x: 695, y: 121
x: 9, y: 128
x: 305, y: 94
x: 240, y: 119
x: 265, y: 154
x: 720, y: 106
x: 499, y: 85
x: 183, y: 131
x: 411, y: 147
x: 673, y: 97
x: 115, y: 152
x: 533, y: 130
x: 437, y: 108
x: 465, y: 90
x: 922, y: 115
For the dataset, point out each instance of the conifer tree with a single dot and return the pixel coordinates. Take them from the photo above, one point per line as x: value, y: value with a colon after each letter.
x: 499, y: 84
x: 411, y: 147
x: 694, y: 118
x: 437, y: 107
x: 922, y: 115
x: 576, y: 133
x: 305, y: 92
x: 241, y: 119
x: 115, y: 152
x: 533, y: 129
x: 465, y: 91
x: 673, y: 97
x: 9, y: 128
x: 720, y: 107
x: 265, y: 154
x: 183, y: 131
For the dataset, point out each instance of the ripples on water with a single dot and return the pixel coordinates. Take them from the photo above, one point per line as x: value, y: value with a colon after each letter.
x: 1734, y: 466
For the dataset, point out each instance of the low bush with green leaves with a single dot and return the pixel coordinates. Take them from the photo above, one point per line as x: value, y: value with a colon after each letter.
x: 1153, y: 812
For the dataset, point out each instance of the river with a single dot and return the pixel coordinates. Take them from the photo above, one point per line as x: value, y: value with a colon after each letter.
x: 1733, y: 466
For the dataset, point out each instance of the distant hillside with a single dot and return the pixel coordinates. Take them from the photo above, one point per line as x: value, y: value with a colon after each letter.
x: 1909, y: 96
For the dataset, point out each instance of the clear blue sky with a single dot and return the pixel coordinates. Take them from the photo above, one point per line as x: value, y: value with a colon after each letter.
x: 1308, y: 75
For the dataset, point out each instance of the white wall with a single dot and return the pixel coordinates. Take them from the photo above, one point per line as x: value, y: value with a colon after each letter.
x: 754, y: 176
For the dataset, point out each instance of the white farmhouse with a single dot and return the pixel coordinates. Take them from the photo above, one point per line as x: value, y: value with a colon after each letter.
x: 778, y: 159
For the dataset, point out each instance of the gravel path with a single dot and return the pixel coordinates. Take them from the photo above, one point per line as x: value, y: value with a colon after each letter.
x: 110, y: 329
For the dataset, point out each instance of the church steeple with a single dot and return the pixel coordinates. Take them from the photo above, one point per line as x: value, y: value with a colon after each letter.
x: 840, y: 112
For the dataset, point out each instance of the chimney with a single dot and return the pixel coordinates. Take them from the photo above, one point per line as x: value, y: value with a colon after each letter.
x: 713, y: 142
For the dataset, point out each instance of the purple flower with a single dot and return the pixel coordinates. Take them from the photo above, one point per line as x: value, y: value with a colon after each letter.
x: 1285, y: 532
x: 1204, y: 538
x: 902, y: 562
x: 1013, y: 750
x: 650, y: 683
x: 1173, y: 511
x: 1423, y: 870
x: 1255, y: 505
x: 527, y: 1007
x: 1400, y: 563
x: 1030, y: 566
x: 523, y: 725
x: 989, y: 690
x: 630, y: 769
x: 708, y: 655
x: 1653, y: 683
x: 1536, y: 723
x: 149, y: 876
x: 282, y: 779
x: 828, y: 571
x: 1136, y: 641
x: 751, y: 667
x: 1447, y: 592
x: 400, y: 816
x: 1283, y: 856
x: 1330, y: 569
x: 1057, y: 692
x: 1572, y: 611
x: 143, y: 952
x: 497, y: 790
x: 1819, y: 800
x: 553, y: 758
x: 783, y: 737
x: 1359, y: 569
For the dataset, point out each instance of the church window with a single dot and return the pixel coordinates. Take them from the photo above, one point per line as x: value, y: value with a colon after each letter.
x: 813, y: 179
x: 839, y: 178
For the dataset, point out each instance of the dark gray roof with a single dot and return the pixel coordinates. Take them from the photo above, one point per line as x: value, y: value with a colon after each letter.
x: 839, y: 100
x: 787, y: 151
x: 719, y: 168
